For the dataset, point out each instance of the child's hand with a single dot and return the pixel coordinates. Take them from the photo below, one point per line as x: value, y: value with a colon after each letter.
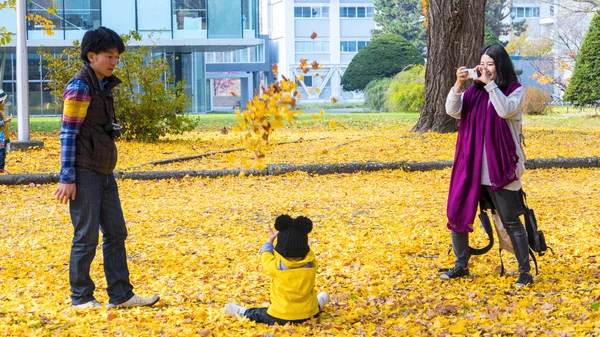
x: 8, y: 119
x: 272, y: 235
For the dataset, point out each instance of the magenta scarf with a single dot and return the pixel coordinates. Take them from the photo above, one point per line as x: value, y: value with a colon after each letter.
x: 479, y: 122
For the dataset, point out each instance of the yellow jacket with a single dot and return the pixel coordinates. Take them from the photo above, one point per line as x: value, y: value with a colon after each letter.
x: 293, y: 294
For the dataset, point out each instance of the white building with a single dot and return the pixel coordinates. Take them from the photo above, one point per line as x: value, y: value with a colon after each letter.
x: 564, y: 22
x: 342, y: 27
x: 185, y: 29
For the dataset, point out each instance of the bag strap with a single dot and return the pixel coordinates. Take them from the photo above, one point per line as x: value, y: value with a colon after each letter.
x: 534, y: 261
x: 501, y: 264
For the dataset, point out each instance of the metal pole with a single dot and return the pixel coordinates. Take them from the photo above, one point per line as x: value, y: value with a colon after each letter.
x: 22, y: 75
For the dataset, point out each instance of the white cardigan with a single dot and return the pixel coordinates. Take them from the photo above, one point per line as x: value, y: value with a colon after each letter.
x: 509, y: 108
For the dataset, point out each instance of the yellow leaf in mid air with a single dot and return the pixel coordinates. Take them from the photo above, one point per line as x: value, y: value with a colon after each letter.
x: 276, y: 124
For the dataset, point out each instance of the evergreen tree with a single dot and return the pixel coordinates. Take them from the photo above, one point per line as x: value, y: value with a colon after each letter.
x: 584, y: 87
x: 384, y: 57
x: 401, y: 17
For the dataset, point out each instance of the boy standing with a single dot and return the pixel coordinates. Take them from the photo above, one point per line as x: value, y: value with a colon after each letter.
x: 89, y: 156
x: 4, y: 134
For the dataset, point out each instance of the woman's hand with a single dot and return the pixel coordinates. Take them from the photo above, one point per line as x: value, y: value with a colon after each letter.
x: 461, y: 76
x: 485, y: 78
x: 272, y: 235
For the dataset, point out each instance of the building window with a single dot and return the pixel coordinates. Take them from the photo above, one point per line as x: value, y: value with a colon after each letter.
x: 75, y: 15
x: 353, y: 46
x: 190, y: 15
x: 311, y: 12
x: 255, y: 54
x: 313, y: 46
x: 527, y: 12
x: 356, y: 12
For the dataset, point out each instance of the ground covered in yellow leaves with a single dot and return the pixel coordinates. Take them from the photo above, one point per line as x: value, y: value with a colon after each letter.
x: 354, y: 138
x: 380, y: 238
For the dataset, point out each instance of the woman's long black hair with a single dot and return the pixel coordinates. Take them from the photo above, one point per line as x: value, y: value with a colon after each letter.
x: 505, y: 70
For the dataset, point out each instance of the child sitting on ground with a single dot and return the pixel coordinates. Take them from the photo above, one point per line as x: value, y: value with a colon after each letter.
x: 293, y: 269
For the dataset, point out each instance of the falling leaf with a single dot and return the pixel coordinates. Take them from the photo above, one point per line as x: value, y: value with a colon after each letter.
x: 275, y: 69
x: 233, y: 93
x: 333, y: 100
x: 224, y: 131
x: 313, y: 35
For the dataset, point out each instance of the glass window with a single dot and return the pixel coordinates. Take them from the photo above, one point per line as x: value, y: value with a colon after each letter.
x: 369, y: 12
x: 40, y: 7
x: 224, y: 19
x: 308, y: 81
x: 35, y: 98
x: 551, y: 10
x: 360, y: 12
x: 297, y: 12
x: 343, y: 46
x: 520, y: 12
x: 190, y: 15
x: 344, y: 12
x: 8, y: 67
x: 351, y: 12
x: 325, y: 12
x: 362, y: 44
x: 528, y: 12
x: 306, y: 12
x: 81, y: 14
x: 300, y: 47
x: 33, y: 66
x: 352, y: 46
x: 316, y: 12
x: 536, y: 12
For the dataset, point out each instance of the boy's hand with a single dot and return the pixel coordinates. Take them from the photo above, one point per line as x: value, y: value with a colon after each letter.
x: 64, y: 192
x: 272, y: 235
x: 8, y: 119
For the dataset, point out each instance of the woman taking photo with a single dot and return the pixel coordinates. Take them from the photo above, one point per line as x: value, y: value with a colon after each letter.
x: 489, y: 160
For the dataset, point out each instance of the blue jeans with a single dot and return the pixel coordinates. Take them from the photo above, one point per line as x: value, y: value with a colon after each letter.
x: 97, y: 207
x: 2, y: 157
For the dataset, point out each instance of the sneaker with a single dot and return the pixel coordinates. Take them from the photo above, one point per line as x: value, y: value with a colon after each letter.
x: 92, y: 304
x: 322, y: 298
x: 135, y: 301
x: 234, y: 310
x: 524, y: 279
x: 455, y: 272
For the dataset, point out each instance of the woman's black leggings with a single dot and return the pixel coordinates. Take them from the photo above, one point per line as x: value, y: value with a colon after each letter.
x: 509, y: 206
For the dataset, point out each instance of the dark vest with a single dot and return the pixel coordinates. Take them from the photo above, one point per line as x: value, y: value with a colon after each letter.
x: 95, y: 149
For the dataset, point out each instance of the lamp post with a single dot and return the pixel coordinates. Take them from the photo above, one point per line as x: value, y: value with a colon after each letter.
x: 22, y: 88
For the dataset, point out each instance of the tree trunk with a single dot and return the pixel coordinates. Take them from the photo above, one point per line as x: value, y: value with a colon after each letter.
x: 456, y: 31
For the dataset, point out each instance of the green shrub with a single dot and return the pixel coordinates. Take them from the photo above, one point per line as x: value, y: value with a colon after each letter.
x: 146, y: 105
x: 406, y: 91
x: 584, y: 86
x: 375, y: 94
x: 536, y: 102
x: 384, y: 57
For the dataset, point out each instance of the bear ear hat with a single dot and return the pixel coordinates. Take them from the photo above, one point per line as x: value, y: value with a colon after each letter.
x: 284, y: 222
x: 303, y: 224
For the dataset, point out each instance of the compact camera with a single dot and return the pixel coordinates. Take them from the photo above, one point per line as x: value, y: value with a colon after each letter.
x: 472, y: 73
x: 113, y: 129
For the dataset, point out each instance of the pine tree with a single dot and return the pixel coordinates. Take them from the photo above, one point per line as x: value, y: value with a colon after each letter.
x: 584, y: 87
x: 401, y: 17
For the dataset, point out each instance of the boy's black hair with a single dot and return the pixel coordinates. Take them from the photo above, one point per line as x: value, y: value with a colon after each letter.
x: 505, y: 70
x: 99, y: 40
